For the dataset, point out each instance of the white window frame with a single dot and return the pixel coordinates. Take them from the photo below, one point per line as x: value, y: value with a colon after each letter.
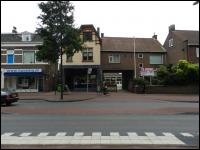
x: 112, y: 60
x: 171, y: 42
x: 197, y: 52
x: 139, y: 55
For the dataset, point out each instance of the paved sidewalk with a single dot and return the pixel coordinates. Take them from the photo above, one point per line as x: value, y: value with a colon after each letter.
x: 50, y: 96
x: 121, y: 95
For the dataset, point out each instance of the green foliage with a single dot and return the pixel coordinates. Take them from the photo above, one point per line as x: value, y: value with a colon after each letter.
x: 162, y: 71
x: 184, y: 73
x: 57, y: 31
x: 140, y: 82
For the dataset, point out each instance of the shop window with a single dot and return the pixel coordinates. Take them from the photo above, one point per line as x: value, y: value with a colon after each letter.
x: 26, y: 83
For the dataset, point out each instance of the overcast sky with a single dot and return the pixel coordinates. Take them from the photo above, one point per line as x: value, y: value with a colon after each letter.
x: 115, y: 19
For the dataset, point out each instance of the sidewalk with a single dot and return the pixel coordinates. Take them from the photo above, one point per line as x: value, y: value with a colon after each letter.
x: 121, y: 95
x: 50, y: 96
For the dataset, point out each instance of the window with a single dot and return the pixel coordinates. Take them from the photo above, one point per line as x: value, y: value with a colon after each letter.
x: 26, y: 36
x: 29, y: 57
x: 114, y: 58
x: 170, y: 42
x: 141, y: 65
x: 197, y: 52
x: 87, y: 36
x: 69, y: 58
x: 140, y: 55
x: 88, y: 54
x: 156, y: 59
x: 10, y: 56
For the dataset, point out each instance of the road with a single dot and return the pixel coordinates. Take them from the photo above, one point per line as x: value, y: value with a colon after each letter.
x: 104, y: 116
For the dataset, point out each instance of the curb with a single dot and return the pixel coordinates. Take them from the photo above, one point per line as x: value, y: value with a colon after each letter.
x: 58, y: 100
x: 72, y: 100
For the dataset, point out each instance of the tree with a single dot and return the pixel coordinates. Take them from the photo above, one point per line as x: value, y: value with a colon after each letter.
x: 58, y: 33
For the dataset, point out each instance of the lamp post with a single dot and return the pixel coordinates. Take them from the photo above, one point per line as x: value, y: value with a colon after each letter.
x: 134, y: 58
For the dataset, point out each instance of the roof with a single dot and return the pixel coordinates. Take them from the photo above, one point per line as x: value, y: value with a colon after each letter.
x: 190, y: 35
x: 11, y: 37
x: 123, y: 44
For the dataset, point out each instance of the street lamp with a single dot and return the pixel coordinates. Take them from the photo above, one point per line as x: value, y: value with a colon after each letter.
x: 134, y: 58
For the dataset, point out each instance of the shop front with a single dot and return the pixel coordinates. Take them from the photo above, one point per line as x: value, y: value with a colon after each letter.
x: 24, y: 80
x: 82, y: 78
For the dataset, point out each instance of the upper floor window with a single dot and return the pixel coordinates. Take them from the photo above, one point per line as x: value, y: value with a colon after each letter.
x: 141, y: 65
x: 10, y: 56
x: 156, y: 59
x: 197, y: 52
x: 88, y: 54
x: 140, y: 55
x: 171, y: 42
x: 28, y: 57
x: 114, y: 58
x: 87, y: 36
x: 69, y: 58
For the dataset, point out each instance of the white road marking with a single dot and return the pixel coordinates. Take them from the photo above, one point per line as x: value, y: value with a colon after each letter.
x: 43, y: 134
x: 96, y: 138
x: 61, y: 134
x: 186, y: 134
x: 8, y: 134
x: 25, y: 134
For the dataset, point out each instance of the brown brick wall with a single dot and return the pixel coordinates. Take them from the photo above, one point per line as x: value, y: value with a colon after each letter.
x: 192, y: 55
x: 127, y: 61
x: 179, y: 50
x: 3, y: 58
x: 18, y: 59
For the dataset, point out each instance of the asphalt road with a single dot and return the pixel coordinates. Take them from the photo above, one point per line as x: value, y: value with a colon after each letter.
x: 121, y: 116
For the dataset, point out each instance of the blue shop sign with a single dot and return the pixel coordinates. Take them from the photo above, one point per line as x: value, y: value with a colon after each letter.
x: 18, y: 72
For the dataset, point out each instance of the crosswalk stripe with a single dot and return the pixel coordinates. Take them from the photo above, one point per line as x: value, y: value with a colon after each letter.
x: 78, y: 134
x: 96, y: 133
x: 132, y: 134
x: 114, y: 133
x: 186, y: 134
x: 167, y: 134
x: 150, y: 134
x: 43, y: 134
x: 61, y: 134
x: 8, y: 134
x: 25, y: 134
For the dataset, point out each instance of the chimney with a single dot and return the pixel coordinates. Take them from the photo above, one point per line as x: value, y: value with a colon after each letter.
x: 172, y: 27
x: 102, y: 35
x: 154, y: 36
x: 98, y: 31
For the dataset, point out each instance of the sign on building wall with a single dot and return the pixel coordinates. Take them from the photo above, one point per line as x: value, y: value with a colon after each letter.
x: 147, y: 72
x: 22, y: 70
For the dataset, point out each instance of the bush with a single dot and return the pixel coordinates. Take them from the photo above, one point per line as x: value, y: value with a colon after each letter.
x: 184, y: 73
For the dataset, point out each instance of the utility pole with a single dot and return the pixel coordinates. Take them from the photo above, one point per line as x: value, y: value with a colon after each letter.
x: 134, y: 58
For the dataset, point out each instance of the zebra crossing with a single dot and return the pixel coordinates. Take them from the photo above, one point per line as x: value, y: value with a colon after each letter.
x: 166, y: 138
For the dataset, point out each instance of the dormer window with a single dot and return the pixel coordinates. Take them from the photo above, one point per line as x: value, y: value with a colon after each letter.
x: 26, y: 36
x: 87, y: 36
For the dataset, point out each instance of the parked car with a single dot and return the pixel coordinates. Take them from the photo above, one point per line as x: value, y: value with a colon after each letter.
x: 8, y: 97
